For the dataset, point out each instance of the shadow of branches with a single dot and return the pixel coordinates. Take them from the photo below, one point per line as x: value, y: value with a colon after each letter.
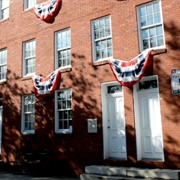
x: 82, y: 148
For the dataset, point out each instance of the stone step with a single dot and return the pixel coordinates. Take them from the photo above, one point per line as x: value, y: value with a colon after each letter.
x: 130, y: 172
x: 98, y: 177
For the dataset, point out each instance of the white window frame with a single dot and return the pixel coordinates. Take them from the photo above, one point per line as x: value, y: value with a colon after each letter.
x: 3, y: 64
x: 150, y: 26
x: 100, y: 39
x: 32, y: 56
x: 32, y: 113
x: 57, y: 130
x: 64, y: 48
x: 4, y: 8
x: 28, y: 4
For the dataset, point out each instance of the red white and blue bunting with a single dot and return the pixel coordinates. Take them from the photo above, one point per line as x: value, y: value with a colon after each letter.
x: 46, y: 86
x: 130, y: 72
x: 47, y: 11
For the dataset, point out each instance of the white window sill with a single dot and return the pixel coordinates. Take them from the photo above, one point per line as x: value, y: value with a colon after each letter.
x: 28, y: 132
x: 65, y: 131
x: 101, y: 61
x: 65, y: 69
x: 5, y: 19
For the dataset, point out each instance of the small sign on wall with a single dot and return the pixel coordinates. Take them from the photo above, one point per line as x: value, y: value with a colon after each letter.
x: 175, y: 81
x: 92, y: 125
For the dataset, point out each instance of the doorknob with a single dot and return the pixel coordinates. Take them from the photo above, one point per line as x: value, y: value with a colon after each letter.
x: 108, y: 127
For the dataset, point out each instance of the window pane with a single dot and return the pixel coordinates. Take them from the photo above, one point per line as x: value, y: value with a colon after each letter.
x: 96, y: 34
x: 109, y: 52
x: 159, y: 30
x: 152, y: 42
x: 114, y: 89
x: 149, y: 20
x: 157, y: 18
x: 96, y: 25
x: 102, y: 23
x: 109, y: 43
x: 142, y: 11
x: 160, y: 41
x: 149, y: 10
x: 143, y: 21
x: 148, y: 84
x: 145, y: 34
x: 145, y: 44
x: 98, y: 44
x: 107, y: 22
x: 152, y: 32
x: 156, y: 8
x: 107, y: 31
x: 102, y: 33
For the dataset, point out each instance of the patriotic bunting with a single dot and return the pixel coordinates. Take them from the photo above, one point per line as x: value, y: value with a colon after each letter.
x: 48, y: 10
x: 46, y: 86
x: 130, y: 72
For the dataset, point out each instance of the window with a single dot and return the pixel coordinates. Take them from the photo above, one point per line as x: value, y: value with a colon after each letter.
x: 63, y: 49
x: 102, y: 38
x: 29, y: 50
x: 151, y: 84
x: 4, y: 6
x: 28, y: 113
x: 3, y: 64
x: 29, y: 4
x: 63, y: 106
x: 151, y: 32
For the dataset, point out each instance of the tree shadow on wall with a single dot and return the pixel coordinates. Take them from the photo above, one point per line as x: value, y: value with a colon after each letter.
x: 172, y: 114
x: 81, y: 148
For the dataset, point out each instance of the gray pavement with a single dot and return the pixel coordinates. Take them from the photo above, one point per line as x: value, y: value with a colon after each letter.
x: 9, y: 176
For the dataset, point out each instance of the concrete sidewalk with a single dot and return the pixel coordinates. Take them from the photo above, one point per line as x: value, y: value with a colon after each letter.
x: 9, y: 176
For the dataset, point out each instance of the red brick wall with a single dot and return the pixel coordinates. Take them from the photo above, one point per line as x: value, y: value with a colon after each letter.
x: 81, y: 148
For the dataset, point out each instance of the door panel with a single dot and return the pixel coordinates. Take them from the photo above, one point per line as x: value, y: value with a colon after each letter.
x: 116, y: 126
x: 150, y: 125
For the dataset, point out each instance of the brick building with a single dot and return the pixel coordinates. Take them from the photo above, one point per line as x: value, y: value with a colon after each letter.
x: 90, y: 118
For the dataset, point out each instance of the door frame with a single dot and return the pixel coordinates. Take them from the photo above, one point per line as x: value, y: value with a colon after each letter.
x: 136, y: 113
x: 106, y: 153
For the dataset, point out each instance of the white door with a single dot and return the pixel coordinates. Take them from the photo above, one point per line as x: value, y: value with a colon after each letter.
x: 114, y: 122
x: 0, y: 128
x: 148, y: 120
x: 116, y: 126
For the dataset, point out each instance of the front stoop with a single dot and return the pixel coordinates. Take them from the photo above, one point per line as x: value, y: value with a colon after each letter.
x: 95, y: 172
